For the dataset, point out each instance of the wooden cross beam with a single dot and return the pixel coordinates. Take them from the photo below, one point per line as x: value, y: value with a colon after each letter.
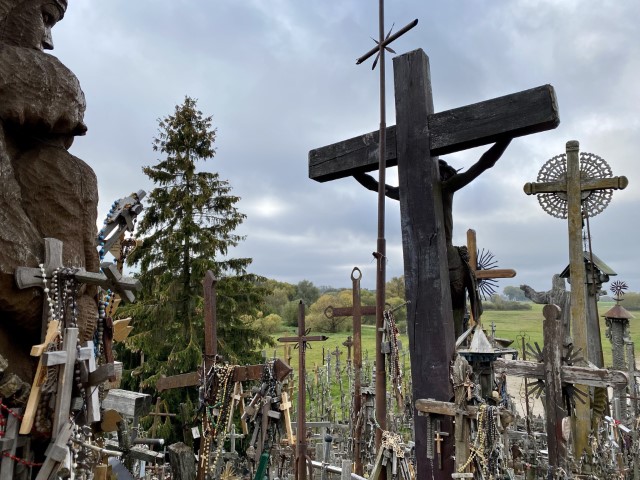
x: 9, y: 444
x: 111, y: 279
x: 421, y: 135
x: 518, y: 114
x: 574, y: 187
x: 27, y: 277
x: 357, y: 311
x: 301, y: 439
x: 481, y: 274
x: 555, y: 374
x: 241, y: 373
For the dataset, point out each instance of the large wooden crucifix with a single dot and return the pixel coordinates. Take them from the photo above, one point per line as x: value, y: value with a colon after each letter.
x: 413, y: 145
x: 576, y: 187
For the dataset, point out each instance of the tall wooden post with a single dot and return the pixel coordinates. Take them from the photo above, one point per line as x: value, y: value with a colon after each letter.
x: 553, y: 336
x: 210, y: 335
x: 582, y: 425
x: 429, y: 323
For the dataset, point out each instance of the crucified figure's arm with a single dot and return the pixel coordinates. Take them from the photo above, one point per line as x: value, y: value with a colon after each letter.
x: 453, y: 183
x: 486, y: 161
x: 369, y: 182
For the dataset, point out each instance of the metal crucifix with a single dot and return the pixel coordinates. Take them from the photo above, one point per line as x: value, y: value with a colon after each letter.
x: 302, y: 460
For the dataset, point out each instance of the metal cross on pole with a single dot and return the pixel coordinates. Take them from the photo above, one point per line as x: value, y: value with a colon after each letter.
x: 357, y: 311
x: 301, y: 438
x: 381, y: 249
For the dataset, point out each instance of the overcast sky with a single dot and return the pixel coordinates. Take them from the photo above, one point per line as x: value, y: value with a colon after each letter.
x: 279, y: 78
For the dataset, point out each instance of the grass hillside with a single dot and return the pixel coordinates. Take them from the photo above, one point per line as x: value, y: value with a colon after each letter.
x: 509, y: 324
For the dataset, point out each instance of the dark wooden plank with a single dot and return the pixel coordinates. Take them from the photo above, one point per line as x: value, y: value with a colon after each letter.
x: 555, y: 412
x: 593, y: 377
x: 523, y: 113
x: 365, y: 310
x: 178, y: 381
x: 429, y: 314
x: 451, y: 409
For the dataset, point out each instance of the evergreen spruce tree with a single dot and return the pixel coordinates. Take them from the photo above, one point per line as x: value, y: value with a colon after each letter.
x: 188, y: 228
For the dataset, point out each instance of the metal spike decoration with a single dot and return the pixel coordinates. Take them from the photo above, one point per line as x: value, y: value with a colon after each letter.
x: 572, y: 357
x: 618, y: 289
x: 486, y: 261
x: 537, y: 353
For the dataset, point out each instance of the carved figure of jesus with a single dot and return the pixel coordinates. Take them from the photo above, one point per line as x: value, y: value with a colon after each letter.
x: 461, y: 277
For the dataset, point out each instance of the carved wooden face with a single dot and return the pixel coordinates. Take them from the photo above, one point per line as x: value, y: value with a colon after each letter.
x: 29, y: 23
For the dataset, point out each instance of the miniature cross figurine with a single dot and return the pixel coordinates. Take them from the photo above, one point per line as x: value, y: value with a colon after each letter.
x: 438, y: 441
x: 348, y: 343
x: 337, y: 354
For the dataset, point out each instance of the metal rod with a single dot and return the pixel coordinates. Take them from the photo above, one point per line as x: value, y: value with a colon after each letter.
x: 381, y: 379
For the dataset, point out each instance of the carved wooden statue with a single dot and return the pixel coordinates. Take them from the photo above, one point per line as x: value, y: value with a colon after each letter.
x: 558, y: 295
x: 44, y: 190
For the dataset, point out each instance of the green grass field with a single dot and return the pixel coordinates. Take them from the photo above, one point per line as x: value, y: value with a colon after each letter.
x: 514, y: 324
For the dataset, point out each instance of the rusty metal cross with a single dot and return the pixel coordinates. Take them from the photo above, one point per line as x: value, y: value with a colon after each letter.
x: 303, y: 338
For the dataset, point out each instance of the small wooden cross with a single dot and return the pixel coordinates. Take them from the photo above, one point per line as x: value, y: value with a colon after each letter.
x: 348, y: 343
x: 285, y: 407
x: 67, y: 359
x: 439, y: 438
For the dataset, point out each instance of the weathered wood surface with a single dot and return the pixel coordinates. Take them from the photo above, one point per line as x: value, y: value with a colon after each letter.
x: 210, y: 324
x: 523, y: 113
x: 36, y: 388
x: 130, y: 404
x: 65, y: 381
x: 9, y: 445
x: 183, y: 462
x: 586, y: 185
x: 451, y: 409
x: 429, y: 322
x: 56, y: 453
x: 555, y: 412
x: 241, y: 373
x: 593, y: 377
